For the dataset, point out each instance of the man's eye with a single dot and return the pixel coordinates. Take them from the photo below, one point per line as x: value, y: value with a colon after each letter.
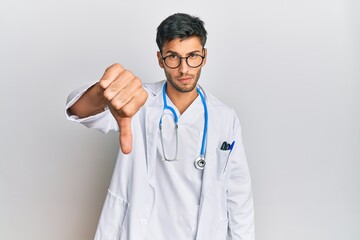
x: 172, y: 56
x: 193, y: 55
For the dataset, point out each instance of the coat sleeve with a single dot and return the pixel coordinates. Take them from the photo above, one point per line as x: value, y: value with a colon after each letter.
x: 103, y: 121
x: 239, y: 200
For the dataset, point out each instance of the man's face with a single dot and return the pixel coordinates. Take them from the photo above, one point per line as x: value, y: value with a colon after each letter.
x: 184, y: 78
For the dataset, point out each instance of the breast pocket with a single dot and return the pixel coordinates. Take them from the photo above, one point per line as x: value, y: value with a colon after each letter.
x: 222, y: 158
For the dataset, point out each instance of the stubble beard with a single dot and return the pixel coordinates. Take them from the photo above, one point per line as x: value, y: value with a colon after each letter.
x: 183, y: 89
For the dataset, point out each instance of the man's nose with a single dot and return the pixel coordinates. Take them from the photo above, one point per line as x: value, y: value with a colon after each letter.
x: 183, y: 68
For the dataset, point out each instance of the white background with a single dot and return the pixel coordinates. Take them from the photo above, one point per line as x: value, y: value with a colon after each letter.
x: 291, y: 69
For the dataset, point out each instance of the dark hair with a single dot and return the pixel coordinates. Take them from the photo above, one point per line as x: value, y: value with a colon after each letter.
x: 180, y: 25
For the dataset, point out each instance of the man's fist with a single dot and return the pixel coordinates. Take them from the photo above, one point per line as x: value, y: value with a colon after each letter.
x: 125, y: 95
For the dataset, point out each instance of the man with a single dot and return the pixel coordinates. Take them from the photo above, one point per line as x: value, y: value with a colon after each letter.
x: 182, y: 172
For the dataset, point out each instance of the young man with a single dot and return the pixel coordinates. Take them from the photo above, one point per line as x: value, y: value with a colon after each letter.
x: 182, y: 172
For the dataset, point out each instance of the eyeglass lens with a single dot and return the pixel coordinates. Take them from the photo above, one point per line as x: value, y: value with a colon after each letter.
x: 174, y: 61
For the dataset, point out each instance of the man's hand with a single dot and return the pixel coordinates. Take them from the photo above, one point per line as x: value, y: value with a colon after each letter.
x: 124, y: 95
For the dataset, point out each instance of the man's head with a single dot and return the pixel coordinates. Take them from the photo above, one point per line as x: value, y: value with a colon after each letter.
x: 181, y: 39
x: 180, y: 25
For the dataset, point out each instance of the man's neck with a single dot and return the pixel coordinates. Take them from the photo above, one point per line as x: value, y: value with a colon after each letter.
x: 182, y: 100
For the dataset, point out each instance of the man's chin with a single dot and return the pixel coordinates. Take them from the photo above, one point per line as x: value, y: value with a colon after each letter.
x: 185, y: 87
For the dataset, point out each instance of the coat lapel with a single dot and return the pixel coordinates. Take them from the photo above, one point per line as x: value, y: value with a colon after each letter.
x: 208, y: 205
x: 151, y: 123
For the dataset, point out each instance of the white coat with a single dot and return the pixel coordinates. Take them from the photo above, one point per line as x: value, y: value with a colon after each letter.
x: 226, y: 204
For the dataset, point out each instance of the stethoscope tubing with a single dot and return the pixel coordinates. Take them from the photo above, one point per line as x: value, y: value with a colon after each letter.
x: 203, y: 142
x: 200, y: 161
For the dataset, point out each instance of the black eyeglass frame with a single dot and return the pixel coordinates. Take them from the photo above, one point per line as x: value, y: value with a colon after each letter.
x: 186, y: 60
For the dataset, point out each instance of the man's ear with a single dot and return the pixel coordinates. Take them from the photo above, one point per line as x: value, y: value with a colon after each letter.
x: 205, y: 55
x: 160, y: 60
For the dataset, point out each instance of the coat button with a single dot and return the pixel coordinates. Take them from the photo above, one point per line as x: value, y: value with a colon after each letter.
x: 143, y: 221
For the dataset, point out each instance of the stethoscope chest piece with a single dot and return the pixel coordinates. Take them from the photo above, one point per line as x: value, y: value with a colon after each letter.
x: 200, y: 163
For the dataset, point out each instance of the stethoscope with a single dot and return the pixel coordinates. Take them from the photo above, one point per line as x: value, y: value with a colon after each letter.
x: 199, y: 161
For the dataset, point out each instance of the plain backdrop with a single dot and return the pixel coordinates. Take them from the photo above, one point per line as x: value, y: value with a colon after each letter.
x: 291, y: 69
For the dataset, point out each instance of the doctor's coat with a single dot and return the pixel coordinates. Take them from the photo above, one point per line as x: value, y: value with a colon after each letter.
x: 226, y: 204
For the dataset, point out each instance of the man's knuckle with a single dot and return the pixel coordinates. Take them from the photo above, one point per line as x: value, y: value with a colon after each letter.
x: 117, y: 104
x: 116, y: 66
x: 127, y: 74
x: 128, y: 111
x: 143, y: 96
x: 108, y: 94
x: 137, y: 82
x: 102, y: 84
x: 114, y: 69
x: 141, y: 93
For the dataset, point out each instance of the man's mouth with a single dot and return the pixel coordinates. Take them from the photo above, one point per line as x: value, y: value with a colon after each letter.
x: 185, y: 79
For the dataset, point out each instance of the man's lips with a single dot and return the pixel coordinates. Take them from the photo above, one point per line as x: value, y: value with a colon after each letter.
x: 185, y: 79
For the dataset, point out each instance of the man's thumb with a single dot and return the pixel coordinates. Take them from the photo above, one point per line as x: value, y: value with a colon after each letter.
x: 125, y: 135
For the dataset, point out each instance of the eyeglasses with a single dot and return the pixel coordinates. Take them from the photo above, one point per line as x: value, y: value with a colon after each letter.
x: 174, y: 61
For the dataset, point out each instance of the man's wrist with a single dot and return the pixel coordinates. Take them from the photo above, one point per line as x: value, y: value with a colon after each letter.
x: 101, y: 101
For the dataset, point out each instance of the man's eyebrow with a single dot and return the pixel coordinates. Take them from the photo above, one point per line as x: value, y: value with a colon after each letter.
x: 176, y: 53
